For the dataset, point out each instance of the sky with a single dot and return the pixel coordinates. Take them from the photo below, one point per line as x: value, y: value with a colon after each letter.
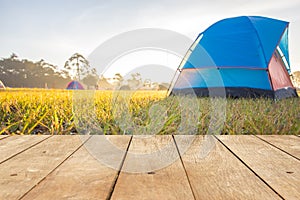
x: 53, y: 30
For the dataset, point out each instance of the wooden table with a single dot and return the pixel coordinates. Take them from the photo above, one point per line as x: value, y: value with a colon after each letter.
x: 236, y: 167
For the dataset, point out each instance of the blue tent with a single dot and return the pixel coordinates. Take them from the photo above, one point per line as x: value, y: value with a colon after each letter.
x: 238, y: 57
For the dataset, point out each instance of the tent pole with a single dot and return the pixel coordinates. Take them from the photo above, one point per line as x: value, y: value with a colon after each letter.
x: 173, y: 82
x: 185, y: 59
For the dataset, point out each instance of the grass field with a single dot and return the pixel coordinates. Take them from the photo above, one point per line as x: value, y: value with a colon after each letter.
x: 32, y: 111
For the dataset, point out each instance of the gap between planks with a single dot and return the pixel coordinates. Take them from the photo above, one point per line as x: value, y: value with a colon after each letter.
x: 279, y: 170
x: 54, y: 168
x: 245, y: 164
x: 148, y: 174
x: 115, y: 182
x: 215, y: 173
x: 24, y: 171
x: 83, y: 175
x: 187, y: 176
x: 3, y: 137
x: 16, y: 145
x: 285, y: 143
x: 119, y: 171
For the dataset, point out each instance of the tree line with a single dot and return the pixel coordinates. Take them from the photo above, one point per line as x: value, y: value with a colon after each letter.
x: 23, y: 73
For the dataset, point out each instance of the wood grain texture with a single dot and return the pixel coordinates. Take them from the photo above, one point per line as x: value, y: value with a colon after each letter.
x: 57, y: 168
x: 276, y: 168
x: 220, y: 175
x: 24, y: 171
x: 82, y: 176
x: 288, y: 143
x: 15, y: 144
x: 3, y: 136
x: 169, y: 182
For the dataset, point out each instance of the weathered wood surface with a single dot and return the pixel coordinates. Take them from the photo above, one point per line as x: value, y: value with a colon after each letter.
x: 22, y: 172
x: 13, y: 145
x: 3, y: 136
x: 82, y: 176
x: 235, y: 167
x: 279, y: 170
x: 220, y: 175
x: 169, y: 182
x: 287, y: 143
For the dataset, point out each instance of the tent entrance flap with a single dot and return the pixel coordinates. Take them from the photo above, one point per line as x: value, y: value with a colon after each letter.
x: 279, y: 76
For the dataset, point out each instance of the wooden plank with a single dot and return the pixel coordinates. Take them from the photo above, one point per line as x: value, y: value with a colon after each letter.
x: 288, y: 143
x: 3, y: 136
x: 16, y: 144
x: 169, y: 182
x: 21, y: 173
x: 220, y: 175
x: 275, y: 167
x: 81, y: 176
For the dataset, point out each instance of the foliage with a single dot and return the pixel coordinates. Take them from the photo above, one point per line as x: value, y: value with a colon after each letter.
x: 33, y: 111
x: 296, y: 79
x: 79, y: 69
x: 29, y: 74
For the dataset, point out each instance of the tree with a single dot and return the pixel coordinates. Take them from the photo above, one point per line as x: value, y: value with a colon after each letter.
x: 25, y: 73
x: 90, y: 80
x: 103, y: 84
x: 147, y: 83
x: 296, y: 79
x: 13, y: 56
x: 118, y: 79
x: 135, y: 81
x: 78, y: 67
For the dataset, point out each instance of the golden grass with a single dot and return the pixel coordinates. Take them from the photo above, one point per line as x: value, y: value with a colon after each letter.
x: 38, y: 111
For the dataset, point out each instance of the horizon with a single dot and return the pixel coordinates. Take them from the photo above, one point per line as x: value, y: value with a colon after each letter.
x: 55, y: 30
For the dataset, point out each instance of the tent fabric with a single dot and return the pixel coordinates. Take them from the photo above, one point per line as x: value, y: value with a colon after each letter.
x: 279, y: 76
x: 2, y: 86
x: 239, y: 54
x: 284, y: 46
x: 231, y: 92
x: 74, y: 85
x: 243, y: 38
x: 226, y: 77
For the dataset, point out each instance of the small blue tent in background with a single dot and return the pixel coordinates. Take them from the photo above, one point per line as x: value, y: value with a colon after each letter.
x: 242, y: 56
x: 74, y: 85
